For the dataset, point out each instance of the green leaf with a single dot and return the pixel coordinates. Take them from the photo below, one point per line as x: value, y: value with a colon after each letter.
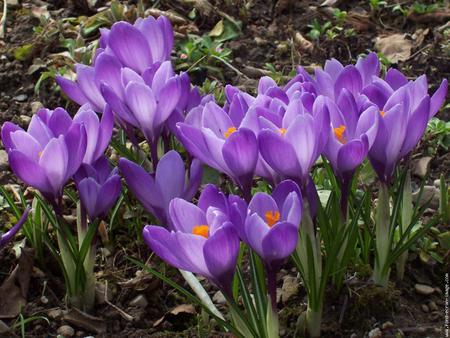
x: 23, y: 52
x: 444, y: 240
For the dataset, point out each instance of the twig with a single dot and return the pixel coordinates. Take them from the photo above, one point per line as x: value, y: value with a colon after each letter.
x: 3, y: 19
x: 230, y: 66
x: 124, y: 315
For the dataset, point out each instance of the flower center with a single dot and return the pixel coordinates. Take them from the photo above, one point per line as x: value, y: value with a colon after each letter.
x: 382, y: 113
x: 201, y: 230
x: 40, y: 153
x: 272, y: 217
x: 339, y: 132
x: 283, y: 131
x: 229, y: 131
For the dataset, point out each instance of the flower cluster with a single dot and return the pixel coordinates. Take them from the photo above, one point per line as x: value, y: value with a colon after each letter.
x: 345, y: 113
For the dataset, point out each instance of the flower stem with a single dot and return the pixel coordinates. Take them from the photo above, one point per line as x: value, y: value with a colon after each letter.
x: 382, y: 237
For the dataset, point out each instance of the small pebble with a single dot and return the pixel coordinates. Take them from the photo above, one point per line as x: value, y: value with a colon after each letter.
x: 3, y: 160
x: 387, y: 325
x: 139, y: 301
x: 432, y: 305
x: 55, y: 313
x: 20, y: 98
x: 66, y: 331
x: 375, y: 333
x: 24, y: 119
x: 35, y: 106
x: 423, y: 289
x: 425, y: 308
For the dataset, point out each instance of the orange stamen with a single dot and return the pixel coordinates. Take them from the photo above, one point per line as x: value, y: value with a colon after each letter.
x: 382, y: 113
x: 272, y: 217
x: 283, y: 131
x: 229, y: 131
x: 339, y: 132
x: 40, y: 153
x: 201, y: 230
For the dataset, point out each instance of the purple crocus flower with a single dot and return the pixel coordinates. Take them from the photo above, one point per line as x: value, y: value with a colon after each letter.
x: 147, y: 101
x: 98, y: 187
x: 48, y: 154
x: 334, y: 77
x: 156, y: 191
x: 212, y: 136
x: 137, y: 47
x: 203, y: 239
x: 7, y: 236
x: 405, y: 108
x: 271, y: 225
x: 292, y: 149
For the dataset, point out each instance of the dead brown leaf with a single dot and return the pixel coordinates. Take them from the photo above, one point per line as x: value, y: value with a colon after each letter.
x: 359, y: 20
x: 302, y: 43
x: 14, y: 290
x: 419, y: 36
x: 434, y: 17
x: 183, y: 309
x: 395, y: 47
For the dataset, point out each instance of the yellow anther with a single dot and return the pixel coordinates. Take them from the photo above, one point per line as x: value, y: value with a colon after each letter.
x: 229, y: 131
x: 40, y: 153
x: 283, y: 131
x: 382, y: 113
x: 339, y: 132
x: 201, y: 230
x: 272, y: 217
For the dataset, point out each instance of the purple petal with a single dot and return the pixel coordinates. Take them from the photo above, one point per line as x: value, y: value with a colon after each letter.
x: 155, y: 37
x: 262, y: 203
x: 72, y: 90
x: 220, y: 252
x: 351, y: 155
x: 279, y: 154
x: 7, y: 129
x: 111, y: 192
x: 28, y: 171
x: 185, y: 216
x: 333, y: 67
x: 166, y: 27
x: 141, y: 184
x: 87, y: 84
x: 438, y: 98
x: 168, y: 97
x: 6, y: 237
x: 142, y: 102
x: 170, y: 176
x: 76, y: 142
x: 368, y: 66
x: 265, y: 83
x: 255, y: 231
x: 59, y: 122
x: 26, y: 144
x: 280, y: 242
x: 108, y: 69
x: 130, y: 46
x: 40, y: 131
x: 195, y: 179
x: 240, y: 152
x: 417, y: 123
x: 212, y: 196
x: 88, y: 190
x: 216, y: 119
x: 395, y: 78
x: 54, y: 162
x: 117, y: 105
x: 350, y: 79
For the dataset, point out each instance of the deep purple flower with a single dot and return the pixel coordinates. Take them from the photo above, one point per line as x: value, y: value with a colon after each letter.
x: 147, y: 101
x: 8, y: 236
x: 203, y: 239
x: 405, y: 108
x: 138, y: 47
x: 156, y: 191
x: 211, y: 135
x: 292, y: 146
x: 98, y: 186
x: 271, y: 226
x: 48, y: 154
x: 334, y: 77
x: 352, y: 134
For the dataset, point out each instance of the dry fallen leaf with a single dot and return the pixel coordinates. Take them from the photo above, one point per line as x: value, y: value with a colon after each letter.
x: 395, y: 47
x: 302, y: 43
x: 183, y: 309
x: 14, y: 290
x: 84, y: 321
